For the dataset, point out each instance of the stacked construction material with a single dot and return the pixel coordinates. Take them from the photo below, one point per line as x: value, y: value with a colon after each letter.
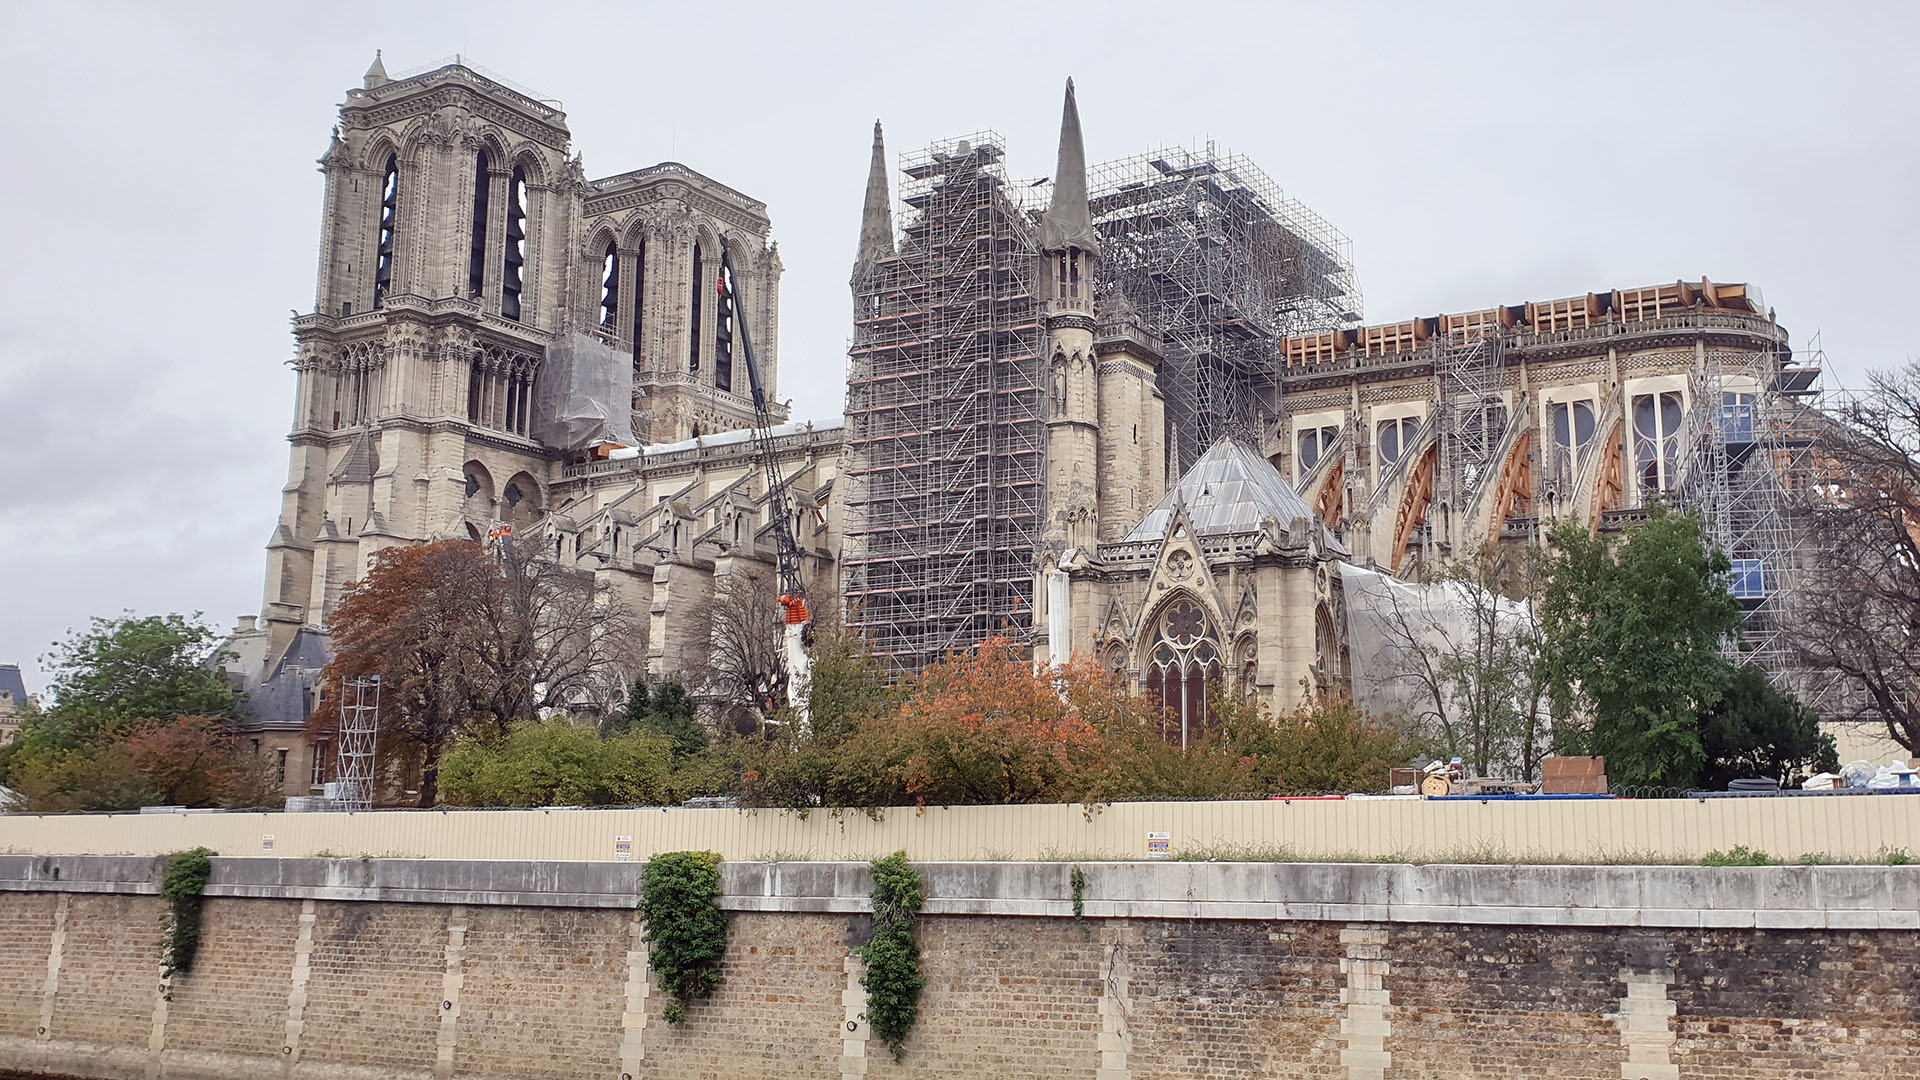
x: 1574, y: 776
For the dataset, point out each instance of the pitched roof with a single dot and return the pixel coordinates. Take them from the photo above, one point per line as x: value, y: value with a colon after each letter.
x: 1231, y: 489
x: 12, y: 683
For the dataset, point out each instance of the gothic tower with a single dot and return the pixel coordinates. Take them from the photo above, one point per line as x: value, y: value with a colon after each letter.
x: 462, y: 245
x: 443, y: 259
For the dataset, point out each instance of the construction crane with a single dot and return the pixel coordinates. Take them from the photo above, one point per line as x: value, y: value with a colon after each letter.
x: 798, y: 634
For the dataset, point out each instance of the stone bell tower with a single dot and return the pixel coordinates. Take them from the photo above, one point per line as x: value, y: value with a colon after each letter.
x: 444, y: 248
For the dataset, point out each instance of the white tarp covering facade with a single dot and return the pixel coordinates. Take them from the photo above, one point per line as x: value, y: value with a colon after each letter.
x: 1389, y: 623
x: 584, y: 395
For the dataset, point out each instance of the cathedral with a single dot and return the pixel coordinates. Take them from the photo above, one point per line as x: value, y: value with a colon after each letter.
x: 1133, y: 418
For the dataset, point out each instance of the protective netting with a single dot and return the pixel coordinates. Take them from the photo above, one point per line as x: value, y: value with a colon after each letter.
x: 1391, y: 623
x: 584, y: 395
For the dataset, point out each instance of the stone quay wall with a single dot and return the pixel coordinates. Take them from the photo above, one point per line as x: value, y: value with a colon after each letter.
x: 433, y: 969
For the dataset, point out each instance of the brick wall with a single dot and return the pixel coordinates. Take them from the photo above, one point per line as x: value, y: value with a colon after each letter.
x: 548, y: 980
x: 374, y: 994
x: 26, y: 936
x: 1001, y: 994
x: 110, y: 970
x: 1234, y: 999
x: 776, y: 1013
x: 378, y: 989
x: 235, y: 999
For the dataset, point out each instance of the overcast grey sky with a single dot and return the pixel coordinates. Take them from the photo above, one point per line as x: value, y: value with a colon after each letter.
x: 161, y: 205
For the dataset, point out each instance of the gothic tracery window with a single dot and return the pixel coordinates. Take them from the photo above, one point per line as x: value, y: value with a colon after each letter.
x: 1184, y: 661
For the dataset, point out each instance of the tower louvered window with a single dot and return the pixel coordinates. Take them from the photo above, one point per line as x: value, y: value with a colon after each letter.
x: 482, y: 188
x: 389, y: 210
x: 610, y: 290
x: 516, y: 260
x: 639, y: 301
x: 699, y: 297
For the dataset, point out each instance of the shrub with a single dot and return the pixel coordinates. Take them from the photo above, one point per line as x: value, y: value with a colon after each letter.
x: 1738, y: 855
x: 893, y: 981
x: 185, y: 882
x: 686, y: 930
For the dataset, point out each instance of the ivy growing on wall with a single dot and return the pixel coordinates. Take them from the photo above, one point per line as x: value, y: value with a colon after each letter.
x: 686, y: 931
x: 893, y: 981
x: 182, y: 888
x: 1079, y: 881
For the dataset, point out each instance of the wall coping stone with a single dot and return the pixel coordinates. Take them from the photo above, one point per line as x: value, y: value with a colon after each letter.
x: 1770, y: 897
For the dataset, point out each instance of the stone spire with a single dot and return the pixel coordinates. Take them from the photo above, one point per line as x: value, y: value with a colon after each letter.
x: 376, y: 73
x: 1067, y: 222
x: 876, y: 220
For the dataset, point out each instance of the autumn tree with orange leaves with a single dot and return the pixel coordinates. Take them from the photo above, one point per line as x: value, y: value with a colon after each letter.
x: 987, y: 728
x: 468, y: 642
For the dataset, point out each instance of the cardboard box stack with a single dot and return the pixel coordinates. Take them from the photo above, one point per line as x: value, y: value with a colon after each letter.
x: 1573, y: 776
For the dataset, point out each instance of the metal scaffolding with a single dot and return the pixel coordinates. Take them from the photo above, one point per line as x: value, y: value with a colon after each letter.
x: 944, y: 482
x: 1747, y: 442
x: 359, y: 733
x: 1222, y: 264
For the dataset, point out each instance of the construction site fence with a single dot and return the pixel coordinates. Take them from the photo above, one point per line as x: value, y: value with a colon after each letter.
x: 1553, y: 830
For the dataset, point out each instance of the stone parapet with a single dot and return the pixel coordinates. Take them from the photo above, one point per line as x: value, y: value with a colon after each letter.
x: 1773, y: 897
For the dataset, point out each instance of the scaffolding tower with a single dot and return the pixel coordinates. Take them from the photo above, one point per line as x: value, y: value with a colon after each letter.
x: 1222, y: 264
x: 359, y: 732
x: 944, y: 482
x: 1747, y: 443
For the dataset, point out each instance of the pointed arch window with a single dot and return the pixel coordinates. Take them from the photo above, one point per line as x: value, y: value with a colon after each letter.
x: 699, y: 299
x: 1183, y: 669
x: 639, y: 276
x: 610, y: 290
x: 516, y: 256
x: 482, y: 193
x: 389, y: 215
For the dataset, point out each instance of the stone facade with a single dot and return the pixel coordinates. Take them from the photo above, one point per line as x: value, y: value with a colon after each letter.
x: 544, y: 986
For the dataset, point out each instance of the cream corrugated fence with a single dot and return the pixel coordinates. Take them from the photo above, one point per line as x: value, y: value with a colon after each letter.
x: 1843, y: 828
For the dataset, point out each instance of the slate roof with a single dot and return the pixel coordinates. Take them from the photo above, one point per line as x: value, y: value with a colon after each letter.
x: 1230, y: 490
x: 11, y: 682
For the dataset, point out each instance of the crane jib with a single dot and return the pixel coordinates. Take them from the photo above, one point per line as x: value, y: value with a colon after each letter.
x: 793, y: 594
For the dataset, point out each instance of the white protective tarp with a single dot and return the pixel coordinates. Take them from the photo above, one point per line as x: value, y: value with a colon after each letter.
x: 584, y: 395
x: 1389, y: 620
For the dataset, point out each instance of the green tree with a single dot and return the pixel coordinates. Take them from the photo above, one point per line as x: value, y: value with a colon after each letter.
x: 1756, y: 730
x: 139, y: 716
x: 559, y: 763
x: 667, y: 711
x: 1632, y: 633
x: 151, y: 667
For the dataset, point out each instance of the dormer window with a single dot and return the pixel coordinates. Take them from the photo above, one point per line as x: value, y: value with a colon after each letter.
x: 389, y: 212
x: 516, y: 256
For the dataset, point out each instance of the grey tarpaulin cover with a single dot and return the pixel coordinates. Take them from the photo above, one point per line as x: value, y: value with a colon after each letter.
x: 584, y: 395
x: 1387, y: 618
